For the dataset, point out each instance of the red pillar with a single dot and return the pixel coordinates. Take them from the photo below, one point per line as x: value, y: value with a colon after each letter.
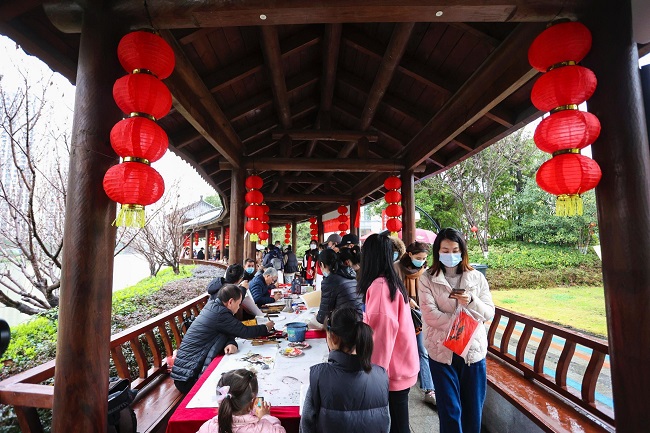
x: 82, y: 359
x: 623, y: 198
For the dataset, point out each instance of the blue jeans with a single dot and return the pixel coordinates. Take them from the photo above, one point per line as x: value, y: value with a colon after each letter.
x: 460, y: 393
x: 426, y: 383
x: 398, y: 406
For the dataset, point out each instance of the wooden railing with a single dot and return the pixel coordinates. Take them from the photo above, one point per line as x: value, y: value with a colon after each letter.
x: 26, y: 392
x: 585, y: 398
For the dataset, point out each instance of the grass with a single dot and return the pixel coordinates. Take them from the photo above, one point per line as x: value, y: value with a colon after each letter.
x: 578, y: 307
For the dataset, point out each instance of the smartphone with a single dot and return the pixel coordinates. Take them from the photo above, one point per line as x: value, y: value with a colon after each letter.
x: 457, y: 292
x: 260, y: 401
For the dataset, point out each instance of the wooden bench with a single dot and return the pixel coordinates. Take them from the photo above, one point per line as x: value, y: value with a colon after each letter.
x: 150, y: 342
x: 547, y: 401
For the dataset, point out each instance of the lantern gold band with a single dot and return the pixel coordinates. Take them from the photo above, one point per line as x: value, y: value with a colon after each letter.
x: 144, y: 71
x: 136, y: 159
x: 563, y: 151
x: 138, y: 114
x: 564, y: 107
x: 133, y: 206
x: 561, y: 64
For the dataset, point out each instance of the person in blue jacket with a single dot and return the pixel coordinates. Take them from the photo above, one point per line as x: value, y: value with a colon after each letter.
x: 260, y: 287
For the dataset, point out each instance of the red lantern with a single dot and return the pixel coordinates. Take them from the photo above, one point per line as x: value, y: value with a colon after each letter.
x: 567, y: 176
x: 567, y: 129
x: 394, y: 225
x: 393, y: 197
x: 313, y: 220
x: 313, y: 226
x: 343, y: 227
x: 263, y: 236
x: 314, y: 232
x: 142, y: 93
x: 343, y: 209
x: 265, y: 226
x: 254, y: 196
x: 392, y: 182
x: 287, y: 235
x: 343, y: 218
x: 559, y: 43
x: 254, y: 211
x: 139, y: 137
x: 287, y: 226
x: 253, y: 226
x: 254, y: 182
x: 394, y: 211
x: 569, y: 85
x: 287, y: 231
x: 266, y: 207
x: 145, y: 50
x: 264, y: 218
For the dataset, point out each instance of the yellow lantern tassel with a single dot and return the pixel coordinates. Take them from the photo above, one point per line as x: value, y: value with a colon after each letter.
x: 130, y: 215
x: 254, y: 237
x: 393, y: 233
x: 568, y: 205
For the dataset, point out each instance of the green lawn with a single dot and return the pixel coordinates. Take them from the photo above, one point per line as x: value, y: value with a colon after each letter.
x: 581, y: 308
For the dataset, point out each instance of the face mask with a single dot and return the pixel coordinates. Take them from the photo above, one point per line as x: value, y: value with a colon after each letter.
x: 395, y: 256
x: 417, y: 263
x: 451, y: 260
x: 312, y: 247
x: 249, y: 270
x: 325, y: 273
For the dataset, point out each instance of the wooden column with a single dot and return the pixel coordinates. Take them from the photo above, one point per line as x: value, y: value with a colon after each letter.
x: 321, y: 228
x: 82, y: 359
x: 294, y: 235
x: 222, y: 246
x: 353, y: 216
x: 237, y: 192
x: 270, y: 234
x: 408, y: 207
x: 623, y: 198
x: 206, y: 244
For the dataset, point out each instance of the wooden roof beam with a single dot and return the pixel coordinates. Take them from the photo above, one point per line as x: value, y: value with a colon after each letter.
x: 271, y: 50
x: 325, y: 164
x: 325, y: 135
x: 505, y: 71
x: 180, y: 139
x: 197, y: 105
x: 290, y: 212
x: 10, y: 9
x: 318, y: 198
x: 228, y: 13
x: 264, y: 126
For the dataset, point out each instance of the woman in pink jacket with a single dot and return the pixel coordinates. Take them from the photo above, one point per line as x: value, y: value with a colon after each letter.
x: 239, y: 409
x: 388, y: 313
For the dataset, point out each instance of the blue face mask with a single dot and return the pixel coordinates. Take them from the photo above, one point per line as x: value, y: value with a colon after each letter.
x: 417, y: 263
x: 325, y: 273
x: 395, y: 256
x: 451, y: 260
x: 249, y: 270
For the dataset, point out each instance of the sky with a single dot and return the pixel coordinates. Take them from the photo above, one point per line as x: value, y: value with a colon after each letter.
x: 171, y: 167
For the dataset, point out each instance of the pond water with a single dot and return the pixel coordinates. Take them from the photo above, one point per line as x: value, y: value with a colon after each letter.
x: 127, y: 271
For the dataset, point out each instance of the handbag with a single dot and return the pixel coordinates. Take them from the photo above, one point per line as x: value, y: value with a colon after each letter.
x: 416, y: 315
x: 121, y: 418
x: 461, y: 333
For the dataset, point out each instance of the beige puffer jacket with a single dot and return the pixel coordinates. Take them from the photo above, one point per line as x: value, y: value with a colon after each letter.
x: 438, y: 310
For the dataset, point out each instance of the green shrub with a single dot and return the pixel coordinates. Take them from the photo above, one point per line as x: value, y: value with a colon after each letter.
x: 523, y: 256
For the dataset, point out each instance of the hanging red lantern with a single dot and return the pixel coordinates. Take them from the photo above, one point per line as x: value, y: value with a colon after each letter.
x: 313, y: 220
x: 392, y: 182
x: 287, y: 226
x: 186, y: 242
x: 264, y: 236
x: 343, y: 218
x: 393, y: 197
x: 569, y: 41
x: 313, y: 227
x: 265, y: 226
x: 567, y: 130
x: 254, y: 182
x: 253, y: 226
x: 133, y: 185
x: 139, y: 137
x: 394, y: 225
x: 343, y: 227
x: 265, y: 218
x: 148, y: 51
x: 569, y: 85
x: 254, y: 211
x: 254, y: 196
x: 394, y: 211
x: 314, y: 232
x: 142, y: 93
x: 343, y: 209
x: 287, y: 231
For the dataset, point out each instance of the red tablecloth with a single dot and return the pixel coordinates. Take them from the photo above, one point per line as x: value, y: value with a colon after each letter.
x: 186, y: 420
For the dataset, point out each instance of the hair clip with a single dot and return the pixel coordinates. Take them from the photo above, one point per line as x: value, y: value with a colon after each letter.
x: 222, y: 393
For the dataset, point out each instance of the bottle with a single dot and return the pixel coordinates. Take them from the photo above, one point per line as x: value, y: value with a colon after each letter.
x: 296, y: 286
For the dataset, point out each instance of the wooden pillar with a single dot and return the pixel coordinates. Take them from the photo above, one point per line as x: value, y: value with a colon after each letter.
x: 321, y: 228
x: 353, y: 217
x: 408, y: 207
x: 294, y: 235
x: 623, y: 198
x: 222, y: 246
x: 237, y: 192
x: 83, y: 340
x: 270, y: 234
x: 206, y: 244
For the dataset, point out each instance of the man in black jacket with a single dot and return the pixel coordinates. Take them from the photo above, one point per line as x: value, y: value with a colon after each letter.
x: 212, y: 333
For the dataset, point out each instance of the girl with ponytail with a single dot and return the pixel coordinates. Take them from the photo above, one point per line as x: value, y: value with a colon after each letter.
x: 239, y: 409
x: 348, y: 393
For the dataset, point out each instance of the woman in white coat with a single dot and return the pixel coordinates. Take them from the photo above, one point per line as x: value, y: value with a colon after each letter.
x: 460, y: 383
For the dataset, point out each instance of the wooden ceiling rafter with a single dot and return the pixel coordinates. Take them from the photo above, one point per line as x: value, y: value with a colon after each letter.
x: 326, y: 135
x: 195, y: 103
x: 350, y: 165
x: 275, y: 70
x: 267, y: 125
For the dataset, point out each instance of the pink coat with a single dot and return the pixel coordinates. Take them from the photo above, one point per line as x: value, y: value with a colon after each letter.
x: 395, y: 347
x: 248, y: 423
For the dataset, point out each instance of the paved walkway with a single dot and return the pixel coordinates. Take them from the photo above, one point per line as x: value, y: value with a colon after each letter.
x: 423, y: 416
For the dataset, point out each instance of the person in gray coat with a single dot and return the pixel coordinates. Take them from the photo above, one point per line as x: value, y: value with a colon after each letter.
x: 348, y: 393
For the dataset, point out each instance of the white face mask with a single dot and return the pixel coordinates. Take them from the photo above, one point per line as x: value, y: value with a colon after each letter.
x: 312, y: 247
x: 451, y: 260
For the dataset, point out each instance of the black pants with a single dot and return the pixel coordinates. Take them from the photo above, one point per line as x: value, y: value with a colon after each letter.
x: 398, y: 406
x: 184, y: 386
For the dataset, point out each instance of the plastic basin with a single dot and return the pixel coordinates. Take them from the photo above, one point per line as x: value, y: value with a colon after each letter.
x: 296, y: 331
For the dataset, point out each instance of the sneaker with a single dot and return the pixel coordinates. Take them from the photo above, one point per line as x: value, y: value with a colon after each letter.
x: 430, y: 397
